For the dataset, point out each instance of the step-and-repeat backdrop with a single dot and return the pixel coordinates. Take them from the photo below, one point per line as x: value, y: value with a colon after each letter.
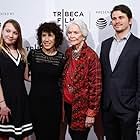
x: 96, y: 14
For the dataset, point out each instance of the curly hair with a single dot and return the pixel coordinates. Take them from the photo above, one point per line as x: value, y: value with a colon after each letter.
x: 50, y: 27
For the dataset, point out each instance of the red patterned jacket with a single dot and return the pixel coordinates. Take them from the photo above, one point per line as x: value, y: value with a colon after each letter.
x: 86, y: 84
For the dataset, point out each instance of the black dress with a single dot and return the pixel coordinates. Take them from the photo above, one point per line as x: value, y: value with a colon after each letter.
x: 15, y: 95
x: 45, y: 94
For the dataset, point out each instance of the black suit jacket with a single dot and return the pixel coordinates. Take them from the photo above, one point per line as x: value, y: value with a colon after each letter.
x: 121, y: 87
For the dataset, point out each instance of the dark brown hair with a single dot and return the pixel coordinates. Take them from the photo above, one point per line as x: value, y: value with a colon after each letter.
x: 50, y: 27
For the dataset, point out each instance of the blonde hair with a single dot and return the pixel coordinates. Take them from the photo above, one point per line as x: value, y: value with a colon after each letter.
x: 18, y: 43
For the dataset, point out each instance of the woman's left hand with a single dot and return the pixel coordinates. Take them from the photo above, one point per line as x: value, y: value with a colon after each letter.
x: 89, y: 121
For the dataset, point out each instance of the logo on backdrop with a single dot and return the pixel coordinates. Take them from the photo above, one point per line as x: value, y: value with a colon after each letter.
x: 6, y: 13
x: 102, y: 21
x: 28, y: 46
x: 63, y: 17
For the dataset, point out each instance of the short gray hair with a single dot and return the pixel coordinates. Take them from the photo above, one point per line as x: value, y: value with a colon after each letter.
x: 81, y: 24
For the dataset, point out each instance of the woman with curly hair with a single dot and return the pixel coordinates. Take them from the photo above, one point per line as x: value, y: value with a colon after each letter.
x: 46, y: 66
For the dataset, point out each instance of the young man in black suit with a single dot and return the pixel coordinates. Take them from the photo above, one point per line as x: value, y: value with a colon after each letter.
x: 120, y: 60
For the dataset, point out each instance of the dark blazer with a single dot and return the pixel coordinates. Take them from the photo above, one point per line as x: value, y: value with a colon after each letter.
x: 121, y: 87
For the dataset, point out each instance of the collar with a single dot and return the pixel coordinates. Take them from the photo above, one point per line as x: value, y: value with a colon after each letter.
x: 126, y: 37
x: 84, y: 46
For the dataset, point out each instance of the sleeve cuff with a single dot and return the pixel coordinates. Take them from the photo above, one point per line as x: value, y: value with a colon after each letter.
x: 90, y: 113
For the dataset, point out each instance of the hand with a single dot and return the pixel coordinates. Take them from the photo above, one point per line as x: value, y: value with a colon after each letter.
x: 4, y: 112
x: 89, y: 121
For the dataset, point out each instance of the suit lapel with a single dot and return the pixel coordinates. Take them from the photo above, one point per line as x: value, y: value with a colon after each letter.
x: 107, y: 53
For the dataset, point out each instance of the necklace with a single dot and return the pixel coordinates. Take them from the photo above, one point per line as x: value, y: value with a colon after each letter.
x: 75, y: 54
x: 77, y: 51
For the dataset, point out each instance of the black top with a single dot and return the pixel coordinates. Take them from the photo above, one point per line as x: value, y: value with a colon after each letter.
x: 46, y: 72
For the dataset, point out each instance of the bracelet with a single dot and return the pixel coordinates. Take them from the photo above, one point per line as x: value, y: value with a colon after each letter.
x: 2, y: 101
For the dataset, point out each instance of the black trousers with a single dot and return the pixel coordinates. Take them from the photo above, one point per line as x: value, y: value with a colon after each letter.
x: 120, y: 126
x: 75, y: 134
